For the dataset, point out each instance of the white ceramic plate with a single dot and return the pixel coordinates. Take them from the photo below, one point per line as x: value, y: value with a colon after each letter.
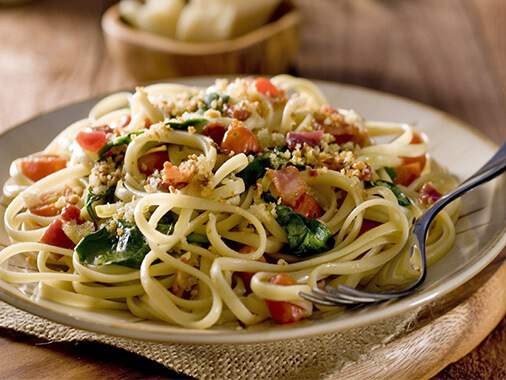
x: 481, y: 232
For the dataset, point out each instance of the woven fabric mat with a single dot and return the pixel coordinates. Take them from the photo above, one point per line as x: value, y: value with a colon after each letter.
x: 319, y: 357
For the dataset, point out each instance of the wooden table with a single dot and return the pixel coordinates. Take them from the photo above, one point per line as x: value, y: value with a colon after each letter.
x: 450, y: 54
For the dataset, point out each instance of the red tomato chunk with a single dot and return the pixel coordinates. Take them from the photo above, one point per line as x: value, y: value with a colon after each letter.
x: 92, y: 140
x: 265, y: 86
x: 37, y: 167
x: 55, y: 235
x: 239, y: 139
x: 150, y: 162
x: 285, y: 312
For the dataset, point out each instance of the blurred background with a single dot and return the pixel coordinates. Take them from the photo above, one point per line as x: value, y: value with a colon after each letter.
x: 450, y: 54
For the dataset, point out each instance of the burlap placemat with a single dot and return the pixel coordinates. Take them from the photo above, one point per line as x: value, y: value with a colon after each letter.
x: 319, y: 357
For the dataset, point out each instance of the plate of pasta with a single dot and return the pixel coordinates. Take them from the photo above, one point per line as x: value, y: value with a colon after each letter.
x: 198, y: 211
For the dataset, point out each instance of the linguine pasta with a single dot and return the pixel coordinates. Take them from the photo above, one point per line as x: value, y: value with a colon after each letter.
x: 200, y: 206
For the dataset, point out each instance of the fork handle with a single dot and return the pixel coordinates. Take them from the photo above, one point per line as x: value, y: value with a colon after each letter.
x: 493, y: 168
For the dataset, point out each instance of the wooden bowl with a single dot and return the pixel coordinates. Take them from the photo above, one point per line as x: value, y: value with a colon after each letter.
x: 267, y: 50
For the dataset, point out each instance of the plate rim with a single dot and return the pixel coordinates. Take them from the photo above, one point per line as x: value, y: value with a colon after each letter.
x: 186, y: 336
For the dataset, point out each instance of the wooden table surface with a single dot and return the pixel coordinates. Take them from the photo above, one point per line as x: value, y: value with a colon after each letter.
x: 450, y: 54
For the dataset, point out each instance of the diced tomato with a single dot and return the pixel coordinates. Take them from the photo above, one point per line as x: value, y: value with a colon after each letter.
x: 55, y: 235
x: 150, y: 162
x: 307, y: 206
x: 71, y: 213
x: 92, y: 140
x: 174, y: 176
x: 288, y: 184
x: 368, y: 225
x: 309, y: 138
x: 147, y: 123
x: 406, y: 174
x: 416, y: 139
x: 428, y: 194
x: 37, y: 167
x: 282, y: 279
x: 45, y: 210
x: 265, y: 86
x: 239, y: 139
x: 411, y: 167
x: 216, y: 131
x: 285, y: 312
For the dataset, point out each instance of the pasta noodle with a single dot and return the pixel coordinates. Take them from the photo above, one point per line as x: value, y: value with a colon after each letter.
x: 202, y: 206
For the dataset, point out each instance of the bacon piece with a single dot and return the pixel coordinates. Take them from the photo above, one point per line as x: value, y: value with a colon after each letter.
x: 288, y: 184
x: 307, y: 206
x: 150, y: 162
x: 368, y: 225
x: 332, y: 122
x: 428, y: 194
x: 309, y: 138
x: 216, y: 131
x: 174, y: 176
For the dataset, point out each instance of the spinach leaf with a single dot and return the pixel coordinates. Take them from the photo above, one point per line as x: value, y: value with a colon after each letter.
x: 166, y: 226
x: 166, y: 223
x: 128, y: 248
x: 269, y: 198
x: 306, y: 236
x: 196, y: 238
x: 118, y: 141
x: 391, y: 173
x: 104, y: 247
x: 255, y: 170
x: 402, y: 198
x: 92, y: 199
x: 215, y: 101
x: 184, y: 124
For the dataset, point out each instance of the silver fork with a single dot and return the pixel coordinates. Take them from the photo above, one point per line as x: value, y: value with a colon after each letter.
x: 345, y: 295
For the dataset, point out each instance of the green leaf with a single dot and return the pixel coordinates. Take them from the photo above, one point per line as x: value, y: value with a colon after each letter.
x: 129, y: 248
x: 92, y: 199
x: 117, y: 141
x: 391, y: 173
x: 255, y: 170
x: 402, y: 198
x: 166, y: 223
x: 184, y: 124
x: 269, y: 198
x: 196, y: 238
x: 306, y: 237
x: 104, y: 248
x: 219, y: 101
